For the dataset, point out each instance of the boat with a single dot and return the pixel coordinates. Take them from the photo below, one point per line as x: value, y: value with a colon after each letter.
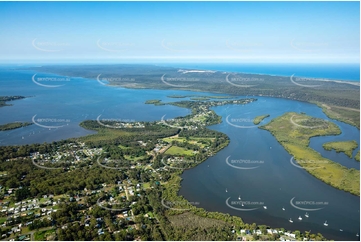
x: 226, y: 190
x: 341, y: 230
x: 306, y: 215
x: 325, y: 223
x: 239, y: 197
x: 357, y: 235
x: 299, y: 218
x: 283, y: 209
x: 290, y: 220
x: 265, y: 207
x: 242, y: 204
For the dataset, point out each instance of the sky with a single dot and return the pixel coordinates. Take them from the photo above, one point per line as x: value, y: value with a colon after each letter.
x: 216, y: 32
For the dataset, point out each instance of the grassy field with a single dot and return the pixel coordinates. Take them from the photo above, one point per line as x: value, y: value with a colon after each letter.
x: 259, y: 119
x: 342, y: 146
x: 42, y: 235
x: 192, y: 140
x: 175, y: 150
x: 295, y: 137
x: 135, y: 158
x: 105, y: 134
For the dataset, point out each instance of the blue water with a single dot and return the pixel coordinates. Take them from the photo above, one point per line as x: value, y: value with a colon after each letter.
x: 345, y: 72
x: 275, y: 182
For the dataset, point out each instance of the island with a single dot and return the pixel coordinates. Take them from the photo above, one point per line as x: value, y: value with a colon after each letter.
x: 259, y: 119
x: 15, y: 125
x: 293, y: 131
x: 154, y: 101
x: 342, y: 146
x: 4, y: 99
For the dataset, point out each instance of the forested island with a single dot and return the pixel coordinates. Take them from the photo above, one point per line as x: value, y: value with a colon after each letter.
x: 4, y: 99
x: 15, y: 125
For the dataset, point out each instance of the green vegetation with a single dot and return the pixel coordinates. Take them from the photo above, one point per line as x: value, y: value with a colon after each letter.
x: 293, y: 131
x: 4, y: 99
x: 343, y: 114
x: 175, y: 150
x: 357, y: 156
x: 342, y: 98
x: 15, y: 125
x: 259, y: 119
x: 200, y: 98
x: 44, y: 235
x: 84, y: 187
x: 342, y: 146
x: 154, y: 101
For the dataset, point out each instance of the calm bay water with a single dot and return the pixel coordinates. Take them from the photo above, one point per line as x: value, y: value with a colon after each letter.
x: 273, y: 183
x: 276, y: 181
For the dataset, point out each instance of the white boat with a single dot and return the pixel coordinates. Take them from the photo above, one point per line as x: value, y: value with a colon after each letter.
x: 341, y: 230
x: 325, y: 223
x: 357, y: 235
x: 242, y: 204
x: 239, y: 197
x: 283, y: 209
x: 265, y: 207
x: 226, y: 190
x: 306, y: 215
x: 290, y: 220
x: 299, y: 218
